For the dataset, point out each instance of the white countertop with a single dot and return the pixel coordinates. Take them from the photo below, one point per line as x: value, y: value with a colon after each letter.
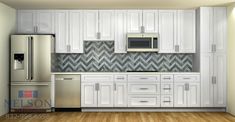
x: 125, y: 73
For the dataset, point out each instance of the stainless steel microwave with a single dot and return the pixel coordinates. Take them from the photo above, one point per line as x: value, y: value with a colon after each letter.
x: 142, y: 42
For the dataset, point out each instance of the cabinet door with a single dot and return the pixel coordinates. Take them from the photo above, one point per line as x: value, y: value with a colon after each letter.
x: 206, y: 29
x: 26, y: 21
x: 45, y: 21
x: 186, y: 31
x: 167, y: 31
x: 220, y: 28
x: 106, y: 24
x: 206, y: 79
x: 134, y: 21
x: 61, y: 31
x: 76, y: 31
x: 194, y: 95
x: 105, y: 95
x: 180, y: 95
x: 88, y: 95
x: 220, y: 74
x: 120, y: 31
x: 150, y: 21
x: 120, y: 95
x: 90, y: 24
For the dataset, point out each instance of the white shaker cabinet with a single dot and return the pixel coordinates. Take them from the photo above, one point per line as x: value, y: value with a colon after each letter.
x: 106, y: 24
x: 44, y: 21
x: 76, y: 31
x: 90, y: 24
x: 180, y: 95
x: 69, y: 31
x: 98, y: 25
x: 25, y: 21
x: 167, y: 30
x: 213, y: 56
x: 105, y: 95
x: 150, y: 21
x: 134, y: 21
x: 120, y: 94
x: 120, y: 41
x: 193, y: 95
x: 186, y: 31
x: 88, y: 95
x: 35, y: 21
x: 61, y: 31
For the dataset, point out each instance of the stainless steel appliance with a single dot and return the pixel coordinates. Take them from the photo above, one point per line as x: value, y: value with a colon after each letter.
x: 142, y: 42
x: 67, y: 91
x: 30, y: 73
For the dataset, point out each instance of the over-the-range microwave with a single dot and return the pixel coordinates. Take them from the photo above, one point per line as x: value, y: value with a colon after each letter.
x: 142, y: 42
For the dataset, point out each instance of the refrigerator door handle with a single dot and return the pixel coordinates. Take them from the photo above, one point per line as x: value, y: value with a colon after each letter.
x: 29, y: 84
x: 29, y: 54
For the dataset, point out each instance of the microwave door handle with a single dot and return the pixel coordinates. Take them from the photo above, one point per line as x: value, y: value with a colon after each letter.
x: 31, y: 58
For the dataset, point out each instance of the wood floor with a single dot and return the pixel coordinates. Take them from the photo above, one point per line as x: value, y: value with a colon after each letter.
x: 119, y: 117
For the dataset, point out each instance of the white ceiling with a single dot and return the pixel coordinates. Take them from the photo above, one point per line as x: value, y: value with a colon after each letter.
x: 73, y: 4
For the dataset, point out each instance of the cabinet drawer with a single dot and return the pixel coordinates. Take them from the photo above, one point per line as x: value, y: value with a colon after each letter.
x: 134, y: 88
x: 121, y: 78
x: 144, y: 101
x: 183, y: 78
x: 97, y: 78
x: 144, y: 78
x: 167, y: 88
x: 167, y: 78
x: 166, y: 101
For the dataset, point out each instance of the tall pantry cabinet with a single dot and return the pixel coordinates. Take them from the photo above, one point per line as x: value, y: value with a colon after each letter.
x: 213, y: 37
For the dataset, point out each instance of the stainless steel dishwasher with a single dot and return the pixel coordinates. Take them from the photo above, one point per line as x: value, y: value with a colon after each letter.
x: 67, y: 91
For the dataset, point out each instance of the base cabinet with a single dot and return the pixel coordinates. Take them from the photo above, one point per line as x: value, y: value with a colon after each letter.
x: 120, y: 95
x: 89, y: 95
x: 105, y: 94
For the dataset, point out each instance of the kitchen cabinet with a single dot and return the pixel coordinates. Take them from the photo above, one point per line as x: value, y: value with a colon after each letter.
x: 88, y: 95
x: 167, y: 31
x: 177, y: 31
x: 186, y: 29
x: 105, y: 94
x: 120, y: 41
x: 35, y: 21
x: 213, y: 56
x: 68, y: 31
x: 150, y: 21
x: 61, y: 31
x: 167, y: 90
x: 141, y: 21
x: 76, y: 31
x: 187, y: 91
x: 98, y: 25
x: 120, y: 94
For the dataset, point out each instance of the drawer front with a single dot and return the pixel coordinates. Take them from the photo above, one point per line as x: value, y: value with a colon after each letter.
x: 120, y: 78
x: 167, y: 101
x: 186, y: 78
x: 97, y: 78
x: 167, y: 88
x: 144, y: 101
x: 167, y: 78
x: 134, y: 88
x: 143, y: 78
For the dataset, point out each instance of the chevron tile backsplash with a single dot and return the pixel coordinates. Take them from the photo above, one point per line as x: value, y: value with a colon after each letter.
x: 100, y: 57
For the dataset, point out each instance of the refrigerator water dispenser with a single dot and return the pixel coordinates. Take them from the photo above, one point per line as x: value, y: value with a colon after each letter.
x: 18, y: 61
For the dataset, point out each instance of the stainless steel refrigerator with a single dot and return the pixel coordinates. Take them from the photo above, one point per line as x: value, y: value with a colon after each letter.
x: 30, y: 89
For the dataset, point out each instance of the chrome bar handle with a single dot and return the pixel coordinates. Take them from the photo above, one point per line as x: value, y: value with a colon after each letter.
x: 115, y: 87
x: 177, y: 48
x: 29, y: 54
x: 142, y: 29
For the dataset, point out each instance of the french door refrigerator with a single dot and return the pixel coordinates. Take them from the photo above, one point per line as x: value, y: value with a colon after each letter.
x: 30, y: 86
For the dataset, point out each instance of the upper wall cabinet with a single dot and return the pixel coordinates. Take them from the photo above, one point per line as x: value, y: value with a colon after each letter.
x: 35, y: 21
x: 167, y: 30
x: 177, y: 31
x: 120, y: 31
x: 213, y: 32
x: 98, y: 25
x: 68, y: 31
x: 186, y: 31
x: 141, y: 21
